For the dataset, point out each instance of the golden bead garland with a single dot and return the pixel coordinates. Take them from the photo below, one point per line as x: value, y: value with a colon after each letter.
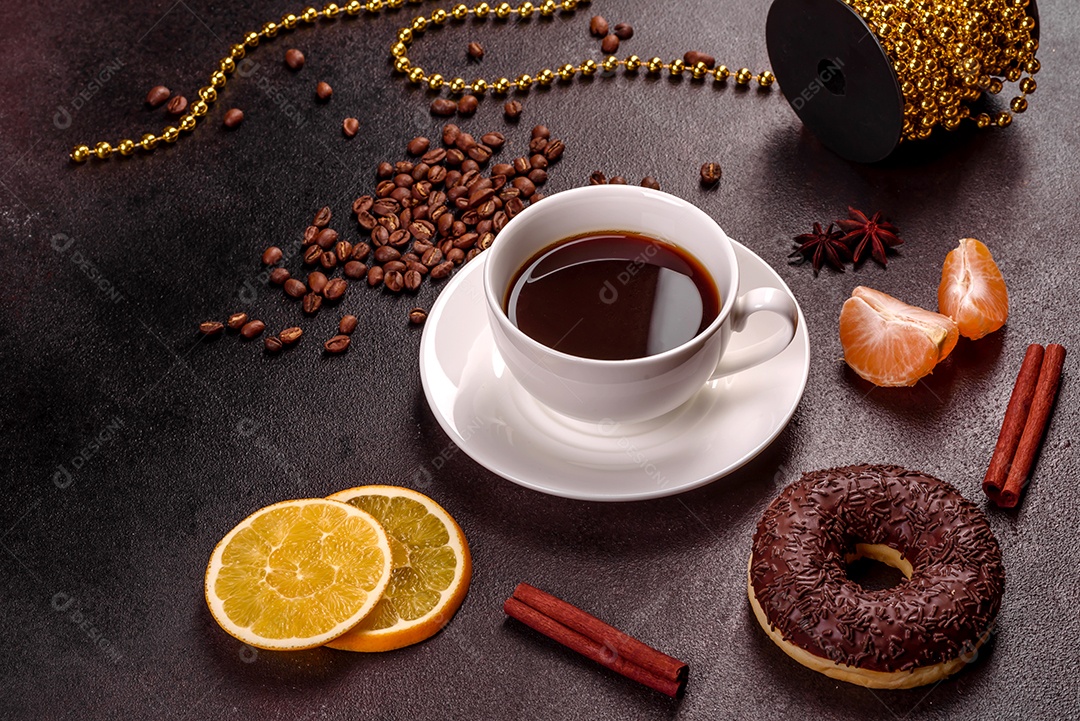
x: 945, y: 55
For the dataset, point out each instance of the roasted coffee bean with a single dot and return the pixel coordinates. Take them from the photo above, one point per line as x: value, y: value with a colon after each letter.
x: 443, y: 106
x: 335, y: 289
x: 598, y: 26
x: 693, y: 57
x: 385, y: 206
x: 236, y: 321
x: 495, y: 141
x: 233, y: 117
x: 442, y: 270
x: 421, y: 190
x: 480, y: 196
x: 394, y: 265
x: 472, y: 254
x: 522, y: 165
x: 421, y: 212
x: 271, y: 255
x: 410, y: 257
x: 538, y: 176
x: 487, y: 209
x: 422, y: 230
x: 480, y: 153
x: 312, y: 303
x: 479, y: 182
x: 294, y: 58
x: 379, y: 235
x: 316, y: 281
x: 291, y: 335
x: 384, y: 188
x: 312, y: 254
x: 418, y: 145
x: 326, y: 238
x: 526, y: 186
x: 157, y: 95
x: 650, y: 182
x: 474, y: 50
x: 710, y: 174
x: 366, y: 220
x: 323, y: 91
x: 399, y: 238
x: 500, y: 219
x: 462, y: 202
x: 310, y: 234
x: 350, y: 126
x: 177, y: 105
x: 419, y: 171
x: 401, y: 194
x: 211, y: 328
x: 554, y: 150
x: 374, y: 275
x: 538, y: 161
x: 536, y: 198
x: 403, y: 180
x: 597, y: 178
x: 454, y: 158
x: 272, y: 344
x: 458, y: 228
x: 394, y: 281
x: 456, y: 256
x: 540, y: 131
x: 610, y: 44
x: 413, y: 280
x: 328, y: 259
x: 617, y: 180
x: 465, y: 241
x: 506, y: 169
x: 337, y: 344
x: 537, y: 145
x: 436, y: 174
x: 362, y: 204
x: 420, y: 247
x: 623, y: 31
x: 294, y: 288
x: 434, y: 156
x: 417, y: 316
x: 252, y: 329
x: 509, y: 192
x: 355, y: 269
x: 444, y: 223
x: 464, y: 141
x: 343, y: 250
x: 390, y: 222
x: 450, y: 133
x: 446, y: 245
x: 467, y: 105
x: 498, y: 182
x: 386, y: 253
x: 514, y: 206
x: 360, y: 251
x: 485, y: 241
x: 384, y: 170
x: 432, y: 257
x: 470, y: 166
x: 347, y: 324
x: 512, y: 109
x: 470, y: 218
x: 417, y: 266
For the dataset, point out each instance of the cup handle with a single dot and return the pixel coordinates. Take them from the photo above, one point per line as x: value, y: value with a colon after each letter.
x: 773, y: 300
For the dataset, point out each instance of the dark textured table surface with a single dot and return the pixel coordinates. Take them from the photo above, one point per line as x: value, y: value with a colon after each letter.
x: 130, y: 447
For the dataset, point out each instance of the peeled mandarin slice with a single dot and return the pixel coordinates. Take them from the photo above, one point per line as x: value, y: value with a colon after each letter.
x: 297, y: 574
x: 972, y: 290
x: 432, y: 569
x: 891, y: 343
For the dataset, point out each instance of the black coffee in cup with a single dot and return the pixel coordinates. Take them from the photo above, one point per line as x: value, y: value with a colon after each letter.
x: 612, y: 295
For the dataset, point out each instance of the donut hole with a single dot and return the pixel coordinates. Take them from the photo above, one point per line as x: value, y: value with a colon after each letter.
x: 875, y: 566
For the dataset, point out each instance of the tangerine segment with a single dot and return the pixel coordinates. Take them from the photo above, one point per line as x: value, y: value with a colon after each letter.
x: 432, y: 569
x: 297, y: 574
x: 972, y: 290
x: 891, y: 343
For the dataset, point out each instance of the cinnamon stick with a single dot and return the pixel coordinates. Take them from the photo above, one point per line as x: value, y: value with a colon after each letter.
x: 1012, y: 427
x: 627, y: 646
x: 1035, y: 428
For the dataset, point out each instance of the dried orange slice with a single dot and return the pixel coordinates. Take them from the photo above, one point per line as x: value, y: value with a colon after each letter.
x: 972, y: 290
x: 891, y: 343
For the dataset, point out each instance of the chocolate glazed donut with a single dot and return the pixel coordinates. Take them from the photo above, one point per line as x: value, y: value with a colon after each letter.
x: 915, y: 633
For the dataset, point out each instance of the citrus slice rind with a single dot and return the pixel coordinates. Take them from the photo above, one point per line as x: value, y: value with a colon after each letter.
x: 299, y: 573
x: 431, y: 574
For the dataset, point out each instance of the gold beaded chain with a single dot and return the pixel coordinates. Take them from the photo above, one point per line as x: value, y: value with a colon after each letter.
x: 945, y: 54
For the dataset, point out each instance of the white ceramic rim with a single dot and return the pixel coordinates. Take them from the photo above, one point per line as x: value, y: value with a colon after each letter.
x: 632, y: 192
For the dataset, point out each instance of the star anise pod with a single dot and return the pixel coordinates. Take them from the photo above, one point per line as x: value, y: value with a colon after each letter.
x: 868, y: 234
x: 823, y: 246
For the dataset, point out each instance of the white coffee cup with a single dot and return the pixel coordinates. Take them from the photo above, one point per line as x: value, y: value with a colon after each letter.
x: 639, y: 388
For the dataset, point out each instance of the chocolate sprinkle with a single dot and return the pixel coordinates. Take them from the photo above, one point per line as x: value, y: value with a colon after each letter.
x: 798, y: 568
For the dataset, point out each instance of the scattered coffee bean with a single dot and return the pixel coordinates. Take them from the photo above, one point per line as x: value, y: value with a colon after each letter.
x: 236, y: 321
x: 271, y: 255
x: 392, y: 266
x: 278, y: 276
x: 417, y: 316
x: 538, y: 161
x: 326, y: 238
x: 335, y: 289
x: 450, y: 133
x: 312, y: 254
x: 211, y: 328
x: 386, y: 253
x: 176, y: 105
x: 347, y: 324
x: 355, y: 270
x: 233, y: 118
x: 374, y: 275
x: 650, y: 182
x: 394, y: 281
x: 475, y: 50
x: 526, y: 186
x: 294, y: 58
x: 337, y: 344
x: 328, y: 259
x: 495, y: 141
x: 295, y: 289
x: 692, y: 58
x: 597, y: 178
x: 323, y: 91
x: 541, y: 131
x: 617, y: 180
x: 316, y: 281
x: 312, y: 303
x: 467, y: 105
x: 350, y: 126
x: 157, y: 95
x: 413, y: 280
x: 291, y: 335
x: 538, y: 176
x: 272, y: 344
x: 710, y: 174
x: 442, y: 270
x: 610, y: 44
x: 598, y: 26
x: 252, y: 329
x: 623, y: 31
x: 512, y: 109
x: 383, y: 171
x: 443, y: 106
x: 418, y: 145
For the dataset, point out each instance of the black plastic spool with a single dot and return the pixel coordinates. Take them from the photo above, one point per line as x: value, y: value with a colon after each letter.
x: 837, y: 77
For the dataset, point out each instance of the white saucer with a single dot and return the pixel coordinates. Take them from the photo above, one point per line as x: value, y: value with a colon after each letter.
x: 490, y: 417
